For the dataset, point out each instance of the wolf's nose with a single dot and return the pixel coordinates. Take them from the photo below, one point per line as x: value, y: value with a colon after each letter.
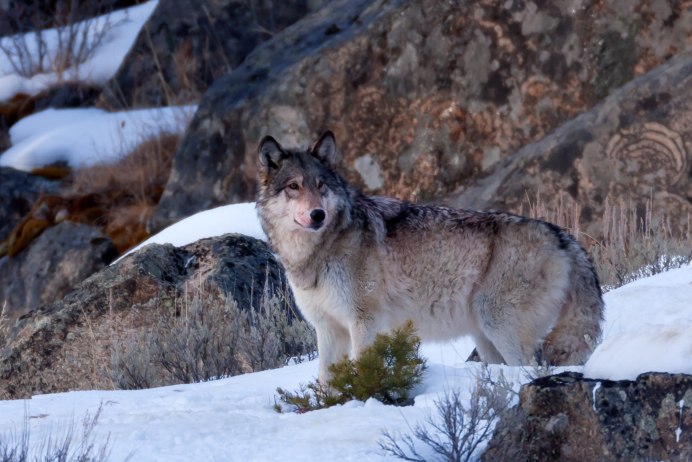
x: 317, y: 216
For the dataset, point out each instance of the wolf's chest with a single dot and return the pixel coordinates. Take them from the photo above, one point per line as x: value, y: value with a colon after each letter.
x: 331, y: 296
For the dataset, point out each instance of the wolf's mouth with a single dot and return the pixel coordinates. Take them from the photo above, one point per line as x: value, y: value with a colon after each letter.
x: 311, y: 227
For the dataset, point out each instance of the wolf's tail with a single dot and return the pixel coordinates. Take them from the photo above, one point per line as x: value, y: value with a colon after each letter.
x: 578, y: 329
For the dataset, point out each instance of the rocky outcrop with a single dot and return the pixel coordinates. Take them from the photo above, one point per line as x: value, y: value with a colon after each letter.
x: 569, y: 418
x: 634, y: 147
x: 18, y: 193
x: 185, y: 45
x: 68, y: 344
x: 60, y: 258
x: 422, y: 96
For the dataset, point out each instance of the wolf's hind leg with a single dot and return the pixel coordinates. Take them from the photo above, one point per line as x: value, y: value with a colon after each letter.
x: 487, y: 351
x: 513, y: 339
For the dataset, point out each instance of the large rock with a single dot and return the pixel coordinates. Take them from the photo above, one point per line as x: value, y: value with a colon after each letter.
x: 56, y: 261
x: 18, y: 193
x: 569, y: 418
x: 68, y: 344
x: 634, y: 147
x: 421, y: 95
x: 185, y: 45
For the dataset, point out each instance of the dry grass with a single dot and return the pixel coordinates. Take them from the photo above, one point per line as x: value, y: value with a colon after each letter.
x: 60, y: 445
x: 636, y: 241
x: 128, y: 191
x: 201, y: 337
x: 4, y: 323
x: 120, y: 197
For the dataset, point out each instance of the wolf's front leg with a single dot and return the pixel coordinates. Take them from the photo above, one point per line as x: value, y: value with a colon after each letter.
x: 333, y: 343
x: 362, y: 336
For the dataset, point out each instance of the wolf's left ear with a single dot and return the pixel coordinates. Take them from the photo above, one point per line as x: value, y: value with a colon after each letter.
x: 270, y: 153
x: 325, y: 150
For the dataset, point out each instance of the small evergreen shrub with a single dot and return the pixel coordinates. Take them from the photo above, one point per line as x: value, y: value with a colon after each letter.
x: 386, y: 371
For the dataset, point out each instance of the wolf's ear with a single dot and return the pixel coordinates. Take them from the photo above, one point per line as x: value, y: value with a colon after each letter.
x: 270, y: 153
x: 325, y: 150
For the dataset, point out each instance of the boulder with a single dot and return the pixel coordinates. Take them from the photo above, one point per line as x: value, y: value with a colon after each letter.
x: 634, y: 147
x: 569, y: 418
x: 68, y: 344
x: 18, y: 193
x: 185, y: 45
x: 422, y: 96
x: 57, y: 260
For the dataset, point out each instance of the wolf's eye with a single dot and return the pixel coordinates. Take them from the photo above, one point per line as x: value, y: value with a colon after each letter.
x: 294, y: 186
x: 320, y: 184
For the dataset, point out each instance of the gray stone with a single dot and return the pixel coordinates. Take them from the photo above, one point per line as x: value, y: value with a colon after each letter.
x: 185, y: 45
x: 60, y: 258
x: 634, y: 147
x: 18, y: 192
x: 434, y: 92
x: 569, y: 418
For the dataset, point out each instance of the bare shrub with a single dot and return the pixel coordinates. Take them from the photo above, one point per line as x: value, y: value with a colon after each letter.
x: 76, y: 31
x: 132, y: 363
x: 204, y: 342
x: 274, y: 339
x: 202, y: 339
x: 68, y: 447
x: 459, y: 429
x: 4, y: 323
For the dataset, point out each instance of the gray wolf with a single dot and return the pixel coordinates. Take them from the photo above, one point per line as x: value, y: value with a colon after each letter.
x: 523, y: 289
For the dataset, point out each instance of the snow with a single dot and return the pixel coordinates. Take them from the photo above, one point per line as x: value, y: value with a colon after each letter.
x: 648, y: 326
x: 234, y: 419
x: 86, y: 137
x: 122, y: 27
x: 234, y: 218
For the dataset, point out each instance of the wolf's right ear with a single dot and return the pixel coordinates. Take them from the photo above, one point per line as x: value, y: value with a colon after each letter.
x: 270, y: 153
x: 325, y: 150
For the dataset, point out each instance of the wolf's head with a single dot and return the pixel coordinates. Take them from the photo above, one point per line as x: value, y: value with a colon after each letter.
x: 299, y: 189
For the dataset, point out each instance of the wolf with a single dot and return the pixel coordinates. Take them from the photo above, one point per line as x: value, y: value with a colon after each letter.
x: 358, y: 265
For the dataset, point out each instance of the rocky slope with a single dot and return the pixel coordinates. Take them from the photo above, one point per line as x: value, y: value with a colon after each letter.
x: 634, y: 147
x: 69, y: 344
x: 422, y: 96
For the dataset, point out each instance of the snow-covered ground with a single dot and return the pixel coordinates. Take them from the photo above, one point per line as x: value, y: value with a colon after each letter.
x: 233, y: 418
x: 647, y: 325
x: 121, y: 28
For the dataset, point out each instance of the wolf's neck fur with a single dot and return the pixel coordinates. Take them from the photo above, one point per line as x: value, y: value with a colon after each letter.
x: 304, y: 254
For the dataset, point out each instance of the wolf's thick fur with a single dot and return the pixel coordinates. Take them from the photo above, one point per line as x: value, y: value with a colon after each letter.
x: 359, y: 265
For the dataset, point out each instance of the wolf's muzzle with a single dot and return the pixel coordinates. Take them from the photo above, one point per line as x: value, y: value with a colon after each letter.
x: 317, y: 216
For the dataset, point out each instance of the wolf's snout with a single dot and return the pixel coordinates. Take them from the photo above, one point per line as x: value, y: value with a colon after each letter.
x: 318, y: 216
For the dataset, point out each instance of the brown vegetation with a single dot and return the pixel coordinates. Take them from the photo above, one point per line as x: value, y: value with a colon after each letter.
x: 118, y: 197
